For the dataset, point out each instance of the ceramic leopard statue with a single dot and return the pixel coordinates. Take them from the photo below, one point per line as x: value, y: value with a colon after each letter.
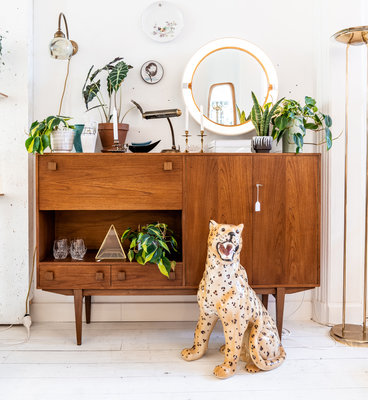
x: 224, y: 293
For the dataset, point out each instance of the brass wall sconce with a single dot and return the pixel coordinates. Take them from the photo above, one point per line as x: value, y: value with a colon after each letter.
x: 174, y: 112
x: 62, y: 48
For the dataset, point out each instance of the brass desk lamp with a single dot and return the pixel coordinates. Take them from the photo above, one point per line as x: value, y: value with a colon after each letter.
x: 174, y: 112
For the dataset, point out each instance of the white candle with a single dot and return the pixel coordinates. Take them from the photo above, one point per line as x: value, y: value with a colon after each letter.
x: 186, y: 119
x: 115, y: 124
x: 201, y: 111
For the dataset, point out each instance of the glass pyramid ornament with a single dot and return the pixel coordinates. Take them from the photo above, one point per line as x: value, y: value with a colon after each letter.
x: 111, y: 248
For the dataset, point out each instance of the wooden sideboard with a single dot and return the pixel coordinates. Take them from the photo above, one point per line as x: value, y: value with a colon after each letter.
x: 81, y: 195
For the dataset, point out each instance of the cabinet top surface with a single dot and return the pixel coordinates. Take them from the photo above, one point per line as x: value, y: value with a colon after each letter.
x: 165, y: 155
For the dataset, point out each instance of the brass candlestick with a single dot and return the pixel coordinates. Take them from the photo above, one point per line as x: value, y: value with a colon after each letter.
x: 186, y: 141
x: 202, y: 135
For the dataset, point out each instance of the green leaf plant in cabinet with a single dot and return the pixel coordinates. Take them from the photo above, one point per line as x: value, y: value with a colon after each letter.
x: 151, y: 244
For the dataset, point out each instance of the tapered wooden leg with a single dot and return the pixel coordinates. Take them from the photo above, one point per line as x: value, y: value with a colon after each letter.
x: 280, y: 301
x: 265, y: 300
x: 78, y: 307
x: 87, y: 300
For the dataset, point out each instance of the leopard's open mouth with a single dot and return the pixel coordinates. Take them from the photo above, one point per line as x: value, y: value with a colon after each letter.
x: 226, y: 250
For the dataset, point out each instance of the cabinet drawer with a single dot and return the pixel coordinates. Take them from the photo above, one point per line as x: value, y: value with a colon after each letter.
x: 109, y: 182
x: 136, y: 276
x: 74, y: 276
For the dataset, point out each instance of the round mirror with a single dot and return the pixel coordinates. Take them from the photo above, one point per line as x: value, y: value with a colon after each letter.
x: 220, y: 77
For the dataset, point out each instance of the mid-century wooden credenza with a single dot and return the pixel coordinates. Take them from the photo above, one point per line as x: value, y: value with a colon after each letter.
x: 81, y: 195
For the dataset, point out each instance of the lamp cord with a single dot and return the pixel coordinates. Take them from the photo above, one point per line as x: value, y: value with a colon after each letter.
x: 66, y: 79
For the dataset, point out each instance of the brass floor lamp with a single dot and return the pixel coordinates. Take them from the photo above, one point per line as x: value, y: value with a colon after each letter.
x: 351, y: 334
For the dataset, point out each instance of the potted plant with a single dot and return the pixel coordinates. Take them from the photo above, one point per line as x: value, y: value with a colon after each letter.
x: 150, y: 244
x: 291, y: 121
x: 116, y: 70
x: 261, y: 118
x: 48, y: 133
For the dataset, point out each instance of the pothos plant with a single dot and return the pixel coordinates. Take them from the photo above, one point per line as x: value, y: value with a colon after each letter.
x: 150, y: 244
x: 292, y: 120
x: 117, y: 70
x: 39, y: 133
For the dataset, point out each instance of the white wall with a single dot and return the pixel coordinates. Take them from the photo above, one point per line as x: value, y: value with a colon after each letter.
x: 294, y: 34
x: 15, y: 78
x: 103, y: 34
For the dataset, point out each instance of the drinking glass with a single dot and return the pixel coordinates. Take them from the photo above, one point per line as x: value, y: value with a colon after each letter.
x: 77, y: 249
x: 61, y: 249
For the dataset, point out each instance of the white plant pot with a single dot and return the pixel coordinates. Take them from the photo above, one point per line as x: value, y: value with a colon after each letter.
x: 62, y: 140
x: 88, y: 141
x: 288, y: 144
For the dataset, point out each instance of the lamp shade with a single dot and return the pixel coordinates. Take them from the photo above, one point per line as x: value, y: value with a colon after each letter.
x: 61, y: 48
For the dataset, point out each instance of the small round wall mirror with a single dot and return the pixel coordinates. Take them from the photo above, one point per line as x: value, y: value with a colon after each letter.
x: 221, y: 76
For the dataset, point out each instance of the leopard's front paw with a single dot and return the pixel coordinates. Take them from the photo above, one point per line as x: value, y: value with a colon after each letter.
x: 190, y: 354
x: 224, y: 371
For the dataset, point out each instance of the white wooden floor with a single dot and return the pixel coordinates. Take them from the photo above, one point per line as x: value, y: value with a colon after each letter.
x: 142, y: 361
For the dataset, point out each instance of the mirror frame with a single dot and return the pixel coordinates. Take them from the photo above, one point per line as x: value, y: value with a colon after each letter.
x: 208, y: 49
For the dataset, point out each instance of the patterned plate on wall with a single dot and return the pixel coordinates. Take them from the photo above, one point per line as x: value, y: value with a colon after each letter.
x: 162, y: 21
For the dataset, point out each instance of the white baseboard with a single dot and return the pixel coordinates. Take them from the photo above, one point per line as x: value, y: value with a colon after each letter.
x: 332, y: 313
x: 175, y: 311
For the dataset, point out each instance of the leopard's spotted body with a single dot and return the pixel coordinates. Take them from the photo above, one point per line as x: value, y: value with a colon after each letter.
x: 224, y: 294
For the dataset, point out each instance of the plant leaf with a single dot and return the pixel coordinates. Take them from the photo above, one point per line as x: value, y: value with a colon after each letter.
x: 328, y: 137
x: 328, y: 121
x: 91, y: 92
x: 116, y: 76
x: 164, y: 245
x: 162, y: 268
x: 131, y: 255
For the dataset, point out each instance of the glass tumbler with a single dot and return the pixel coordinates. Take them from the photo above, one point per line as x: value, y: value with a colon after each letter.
x: 77, y: 249
x: 60, y: 249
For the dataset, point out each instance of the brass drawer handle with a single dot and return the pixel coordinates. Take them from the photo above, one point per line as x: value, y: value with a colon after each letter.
x: 168, y: 166
x: 49, y: 276
x: 172, y: 275
x: 121, y: 276
x: 52, y: 166
x: 99, y: 276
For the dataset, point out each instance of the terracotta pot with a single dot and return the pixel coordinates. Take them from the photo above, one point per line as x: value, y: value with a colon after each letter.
x: 106, y: 131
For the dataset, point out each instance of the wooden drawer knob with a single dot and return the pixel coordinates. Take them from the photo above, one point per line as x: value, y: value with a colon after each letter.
x: 99, y: 276
x: 172, y: 275
x: 52, y: 165
x: 168, y: 166
x: 49, y: 276
x: 121, y: 276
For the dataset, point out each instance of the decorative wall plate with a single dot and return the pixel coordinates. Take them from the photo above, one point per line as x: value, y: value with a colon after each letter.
x: 162, y: 21
x: 152, y: 71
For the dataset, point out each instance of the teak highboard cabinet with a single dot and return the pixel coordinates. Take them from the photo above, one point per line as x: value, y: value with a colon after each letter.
x: 81, y: 195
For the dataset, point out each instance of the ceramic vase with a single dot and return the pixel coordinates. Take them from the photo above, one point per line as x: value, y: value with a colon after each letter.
x: 106, y: 132
x: 88, y: 139
x: 62, y: 140
x: 288, y: 144
x: 78, y: 129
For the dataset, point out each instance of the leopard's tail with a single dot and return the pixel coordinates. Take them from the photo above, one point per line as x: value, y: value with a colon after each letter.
x: 259, y: 361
